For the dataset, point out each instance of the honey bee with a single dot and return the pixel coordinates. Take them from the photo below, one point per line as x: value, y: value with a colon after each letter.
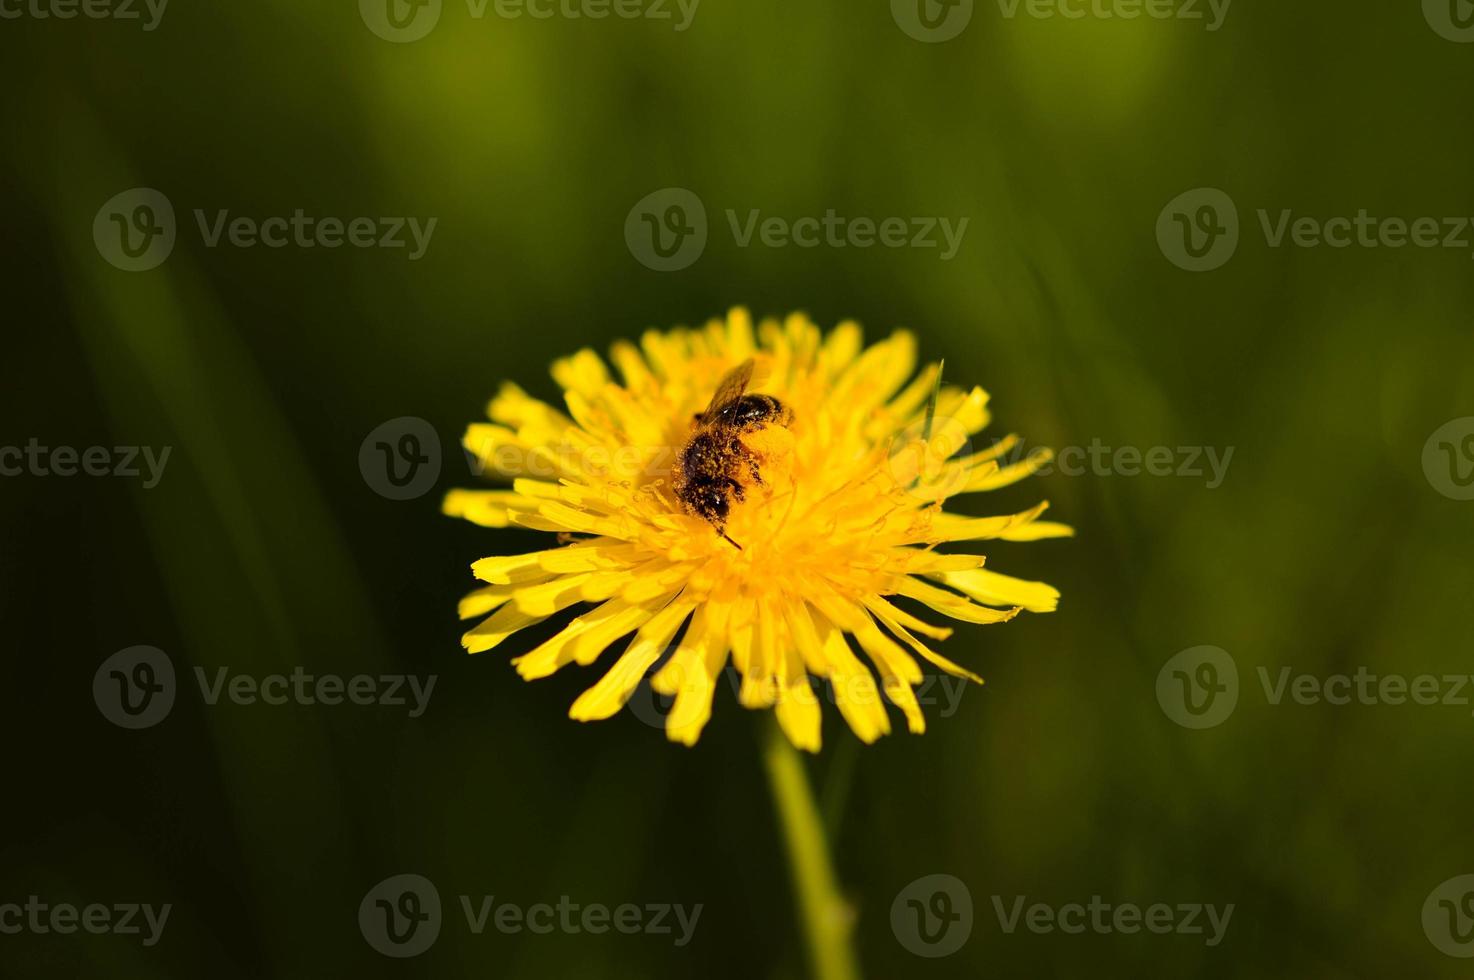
x: 716, y: 465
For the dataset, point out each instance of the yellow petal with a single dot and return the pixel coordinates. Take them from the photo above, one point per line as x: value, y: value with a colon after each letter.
x: 549, y: 597
x: 898, y: 672
x: 1009, y: 474
x: 926, y: 653
x: 798, y: 713
x: 691, y: 676
x: 1037, y: 531
x: 956, y: 606
x: 1001, y: 590
x: 483, y: 601
x: 500, y: 625
x: 615, y: 687
x: 583, y: 373
x: 954, y: 527
x: 583, y: 639
x: 854, y: 688
x: 488, y: 508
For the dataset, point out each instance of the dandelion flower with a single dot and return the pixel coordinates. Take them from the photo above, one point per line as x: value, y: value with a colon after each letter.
x: 843, y: 518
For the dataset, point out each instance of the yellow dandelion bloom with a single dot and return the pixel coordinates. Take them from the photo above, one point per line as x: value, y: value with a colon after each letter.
x: 834, y: 513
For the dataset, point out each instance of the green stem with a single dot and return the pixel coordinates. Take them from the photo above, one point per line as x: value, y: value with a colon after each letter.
x: 825, y: 913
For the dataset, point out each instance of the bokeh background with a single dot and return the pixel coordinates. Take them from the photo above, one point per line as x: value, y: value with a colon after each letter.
x: 1326, y: 547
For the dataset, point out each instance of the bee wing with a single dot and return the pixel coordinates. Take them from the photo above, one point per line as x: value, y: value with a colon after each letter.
x: 731, y: 387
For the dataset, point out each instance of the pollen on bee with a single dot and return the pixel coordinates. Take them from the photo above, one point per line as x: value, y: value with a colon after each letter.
x: 773, y: 447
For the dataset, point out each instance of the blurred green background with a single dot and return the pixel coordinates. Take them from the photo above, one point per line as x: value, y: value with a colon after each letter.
x: 1325, y: 548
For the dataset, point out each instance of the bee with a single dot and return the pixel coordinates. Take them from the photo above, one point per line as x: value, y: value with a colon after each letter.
x: 716, y: 465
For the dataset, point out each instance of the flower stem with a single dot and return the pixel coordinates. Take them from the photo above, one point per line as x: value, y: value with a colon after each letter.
x: 825, y: 913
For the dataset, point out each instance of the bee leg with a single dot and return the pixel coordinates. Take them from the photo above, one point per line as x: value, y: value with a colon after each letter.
x: 736, y: 490
x: 748, y: 457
